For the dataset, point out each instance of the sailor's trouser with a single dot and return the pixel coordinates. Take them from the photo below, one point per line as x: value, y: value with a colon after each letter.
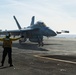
x: 6, y: 51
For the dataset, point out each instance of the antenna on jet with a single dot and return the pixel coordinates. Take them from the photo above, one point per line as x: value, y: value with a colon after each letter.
x: 17, y: 23
x: 33, y: 20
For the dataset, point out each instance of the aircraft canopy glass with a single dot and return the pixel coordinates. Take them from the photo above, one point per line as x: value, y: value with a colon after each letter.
x: 41, y: 24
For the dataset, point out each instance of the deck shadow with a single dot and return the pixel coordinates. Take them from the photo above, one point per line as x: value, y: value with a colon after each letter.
x: 62, y: 57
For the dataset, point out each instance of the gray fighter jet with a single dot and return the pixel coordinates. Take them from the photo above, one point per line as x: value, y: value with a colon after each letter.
x: 34, y: 32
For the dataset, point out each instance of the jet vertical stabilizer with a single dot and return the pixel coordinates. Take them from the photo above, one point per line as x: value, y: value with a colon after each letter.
x: 17, y: 23
x: 32, y: 21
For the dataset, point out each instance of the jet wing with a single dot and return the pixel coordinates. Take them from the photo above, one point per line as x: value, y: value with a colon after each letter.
x: 18, y: 32
x: 13, y: 32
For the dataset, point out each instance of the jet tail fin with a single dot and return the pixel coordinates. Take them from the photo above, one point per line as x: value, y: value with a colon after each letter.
x: 17, y: 22
x: 32, y: 21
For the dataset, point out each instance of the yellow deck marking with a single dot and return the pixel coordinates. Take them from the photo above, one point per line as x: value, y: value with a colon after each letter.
x: 70, y: 62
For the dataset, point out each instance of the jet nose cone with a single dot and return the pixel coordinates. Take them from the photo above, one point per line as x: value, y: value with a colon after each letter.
x: 52, y: 33
x: 49, y: 32
x: 55, y: 34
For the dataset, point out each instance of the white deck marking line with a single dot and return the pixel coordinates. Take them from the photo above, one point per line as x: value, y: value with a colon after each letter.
x: 70, y: 62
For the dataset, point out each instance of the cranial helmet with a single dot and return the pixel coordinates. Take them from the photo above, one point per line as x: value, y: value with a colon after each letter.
x: 7, y: 35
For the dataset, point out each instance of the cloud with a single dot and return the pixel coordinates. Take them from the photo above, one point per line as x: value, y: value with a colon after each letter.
x: 57, y: 14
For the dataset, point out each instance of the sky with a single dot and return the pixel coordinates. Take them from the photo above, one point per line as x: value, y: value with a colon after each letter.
x: 56, y: 14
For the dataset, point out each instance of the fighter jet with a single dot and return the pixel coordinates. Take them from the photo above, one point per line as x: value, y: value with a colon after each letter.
x: 34, y: 32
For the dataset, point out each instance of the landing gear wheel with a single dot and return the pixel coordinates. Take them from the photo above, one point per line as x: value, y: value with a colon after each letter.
x: 20, y: 42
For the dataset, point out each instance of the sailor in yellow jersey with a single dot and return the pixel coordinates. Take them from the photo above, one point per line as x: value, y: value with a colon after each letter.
x: 7, y: 46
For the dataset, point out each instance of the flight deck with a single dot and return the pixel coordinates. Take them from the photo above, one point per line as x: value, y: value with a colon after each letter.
x: 56, y: 57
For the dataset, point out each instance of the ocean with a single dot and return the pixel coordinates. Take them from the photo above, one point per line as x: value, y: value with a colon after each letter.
x: 66, y: 36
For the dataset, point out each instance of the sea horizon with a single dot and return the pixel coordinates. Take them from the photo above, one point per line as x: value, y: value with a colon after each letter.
x: 66, y: 35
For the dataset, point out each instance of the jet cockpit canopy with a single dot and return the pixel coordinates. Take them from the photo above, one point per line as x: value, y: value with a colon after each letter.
x: 41, y: 24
